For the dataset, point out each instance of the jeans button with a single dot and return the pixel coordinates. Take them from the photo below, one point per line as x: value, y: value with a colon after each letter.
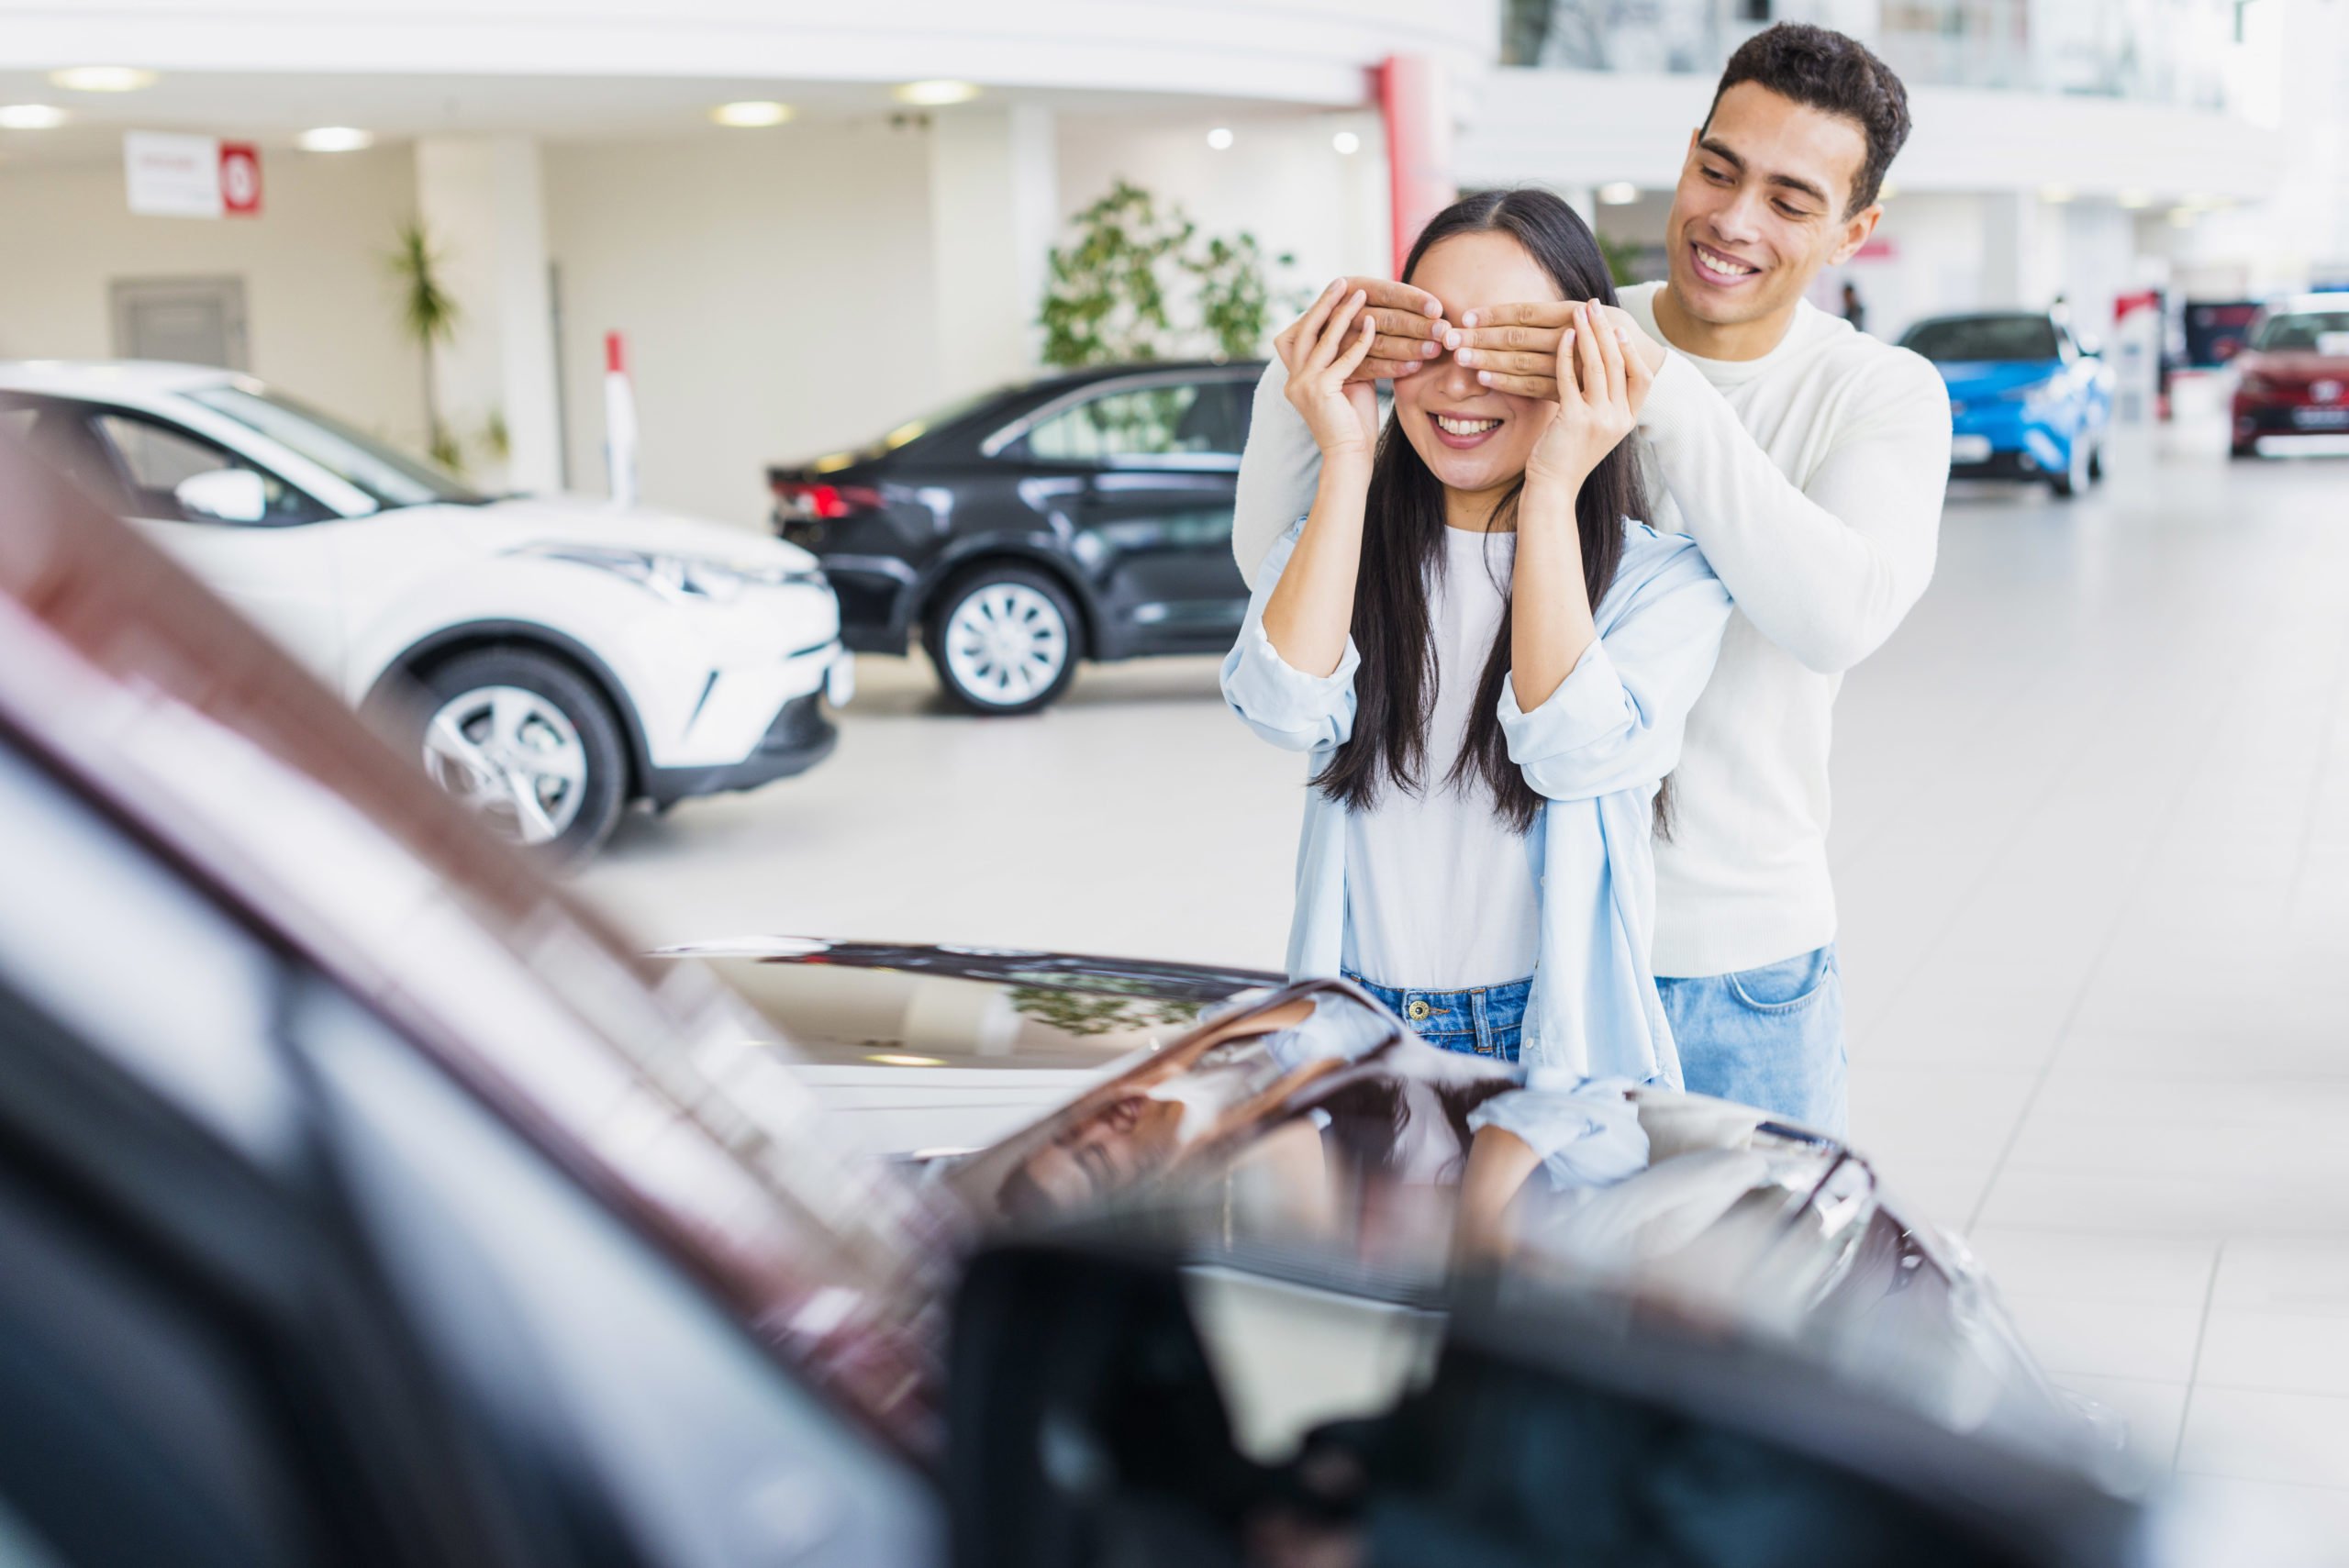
x: 1417, y: 1011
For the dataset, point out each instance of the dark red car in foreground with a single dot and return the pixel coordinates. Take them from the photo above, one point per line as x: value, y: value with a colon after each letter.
x: 2295, y: 375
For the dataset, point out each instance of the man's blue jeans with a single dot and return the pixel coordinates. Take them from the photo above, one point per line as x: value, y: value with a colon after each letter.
x: 1771, y: 1037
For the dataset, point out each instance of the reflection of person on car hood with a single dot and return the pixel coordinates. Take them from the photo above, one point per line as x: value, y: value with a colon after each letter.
x: 1139, y: 1131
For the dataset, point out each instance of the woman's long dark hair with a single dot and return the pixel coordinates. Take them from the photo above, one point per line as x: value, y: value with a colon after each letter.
x: 1403, y: 548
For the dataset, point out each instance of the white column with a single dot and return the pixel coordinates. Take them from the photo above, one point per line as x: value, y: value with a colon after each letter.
x: 2023, y: 251
x: 994, y: 211
x: 482, y: 205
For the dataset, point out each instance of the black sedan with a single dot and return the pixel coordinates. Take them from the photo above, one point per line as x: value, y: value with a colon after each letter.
x: 1085, y: 515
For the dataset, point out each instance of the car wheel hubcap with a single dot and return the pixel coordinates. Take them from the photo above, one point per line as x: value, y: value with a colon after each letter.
x: 513, y: 757
x: 1006, y: 644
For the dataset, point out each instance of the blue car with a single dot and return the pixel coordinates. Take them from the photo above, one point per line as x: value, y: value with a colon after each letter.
x: 2025, y: 400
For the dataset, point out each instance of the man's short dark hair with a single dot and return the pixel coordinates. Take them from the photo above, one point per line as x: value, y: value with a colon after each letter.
x: 1835, y: 75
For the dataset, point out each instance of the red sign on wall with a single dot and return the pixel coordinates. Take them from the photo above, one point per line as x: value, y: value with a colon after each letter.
x: 241, y: 179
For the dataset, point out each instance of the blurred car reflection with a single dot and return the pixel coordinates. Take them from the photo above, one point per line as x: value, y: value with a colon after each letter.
x: 2026, y: 399
x: 2293, y: 379
x: 362, y: 1200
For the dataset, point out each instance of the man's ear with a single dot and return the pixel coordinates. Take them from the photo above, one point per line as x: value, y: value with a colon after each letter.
x: 1856, y: 229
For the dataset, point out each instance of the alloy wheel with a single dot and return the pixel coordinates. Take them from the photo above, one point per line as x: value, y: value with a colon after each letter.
x: 512, y: 756
x: 1006, y: 644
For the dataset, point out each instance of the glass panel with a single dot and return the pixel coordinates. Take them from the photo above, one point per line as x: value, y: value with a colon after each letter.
x: 158, y: 459
x: 1156, y: 421
x: 712, y: 1454
x: 387, y: 475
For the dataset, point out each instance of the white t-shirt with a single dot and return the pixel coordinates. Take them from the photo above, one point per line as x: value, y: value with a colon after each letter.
x: 1813, y: 478
x: 1440, y: 891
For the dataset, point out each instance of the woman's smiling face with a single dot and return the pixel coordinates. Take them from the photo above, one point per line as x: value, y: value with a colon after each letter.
x: 1473, y: 438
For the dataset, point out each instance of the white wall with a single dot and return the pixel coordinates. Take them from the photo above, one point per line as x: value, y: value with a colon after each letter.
x: 774, y: 286
x: 1281, y: 180
x: 322, y: 314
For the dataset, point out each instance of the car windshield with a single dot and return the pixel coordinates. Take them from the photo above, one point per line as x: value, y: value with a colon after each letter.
x: 1961, y: 338
x: 2308, y: 331
x: 389, y: 477
x: 912, y: 429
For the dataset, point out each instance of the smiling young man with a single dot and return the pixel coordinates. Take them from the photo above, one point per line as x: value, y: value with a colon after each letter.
x: 1809, y: 462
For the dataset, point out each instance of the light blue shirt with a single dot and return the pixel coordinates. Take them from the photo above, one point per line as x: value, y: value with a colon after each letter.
x: 1596, y: 751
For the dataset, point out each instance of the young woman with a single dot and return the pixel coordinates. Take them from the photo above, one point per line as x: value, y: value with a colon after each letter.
x: 1490, y: 663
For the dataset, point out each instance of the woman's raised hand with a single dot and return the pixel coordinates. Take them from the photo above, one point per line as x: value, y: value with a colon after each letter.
x: 1322, y: 352
x: 1600, y: 380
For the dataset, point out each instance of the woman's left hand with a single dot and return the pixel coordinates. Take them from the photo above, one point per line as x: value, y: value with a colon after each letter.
x: 1600, y: 389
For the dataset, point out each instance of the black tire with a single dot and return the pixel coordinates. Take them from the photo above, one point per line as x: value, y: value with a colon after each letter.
x: 461, y: 689
x: 2096, y: 463
x: 1033, y: 617
x: 2240, y: 450
x: 2075, y: 478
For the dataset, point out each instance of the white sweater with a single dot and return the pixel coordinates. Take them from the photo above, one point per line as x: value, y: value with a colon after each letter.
x: 1813, y: 478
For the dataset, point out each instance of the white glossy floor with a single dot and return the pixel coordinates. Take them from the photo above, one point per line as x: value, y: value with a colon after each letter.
x: 2093, y: 851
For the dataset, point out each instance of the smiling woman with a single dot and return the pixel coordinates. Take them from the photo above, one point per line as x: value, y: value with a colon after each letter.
x: 1487, y: 660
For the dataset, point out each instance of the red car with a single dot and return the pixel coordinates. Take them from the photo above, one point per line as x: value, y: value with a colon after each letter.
x: 2295, y: 373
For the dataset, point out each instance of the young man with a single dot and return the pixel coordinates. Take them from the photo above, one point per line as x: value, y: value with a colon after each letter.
x: 1809, y: 462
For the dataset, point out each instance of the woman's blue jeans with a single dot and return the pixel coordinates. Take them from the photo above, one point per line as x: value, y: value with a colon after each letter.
x: 1488, y: 1020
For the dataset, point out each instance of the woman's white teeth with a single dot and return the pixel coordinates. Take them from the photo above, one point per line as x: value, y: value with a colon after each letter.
x: 1720, y: 267
x: 1465, y: 427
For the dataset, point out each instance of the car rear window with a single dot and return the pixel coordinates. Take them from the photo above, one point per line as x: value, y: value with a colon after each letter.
x: 2308, y: 331
x: 1147, y: 422
x: 1974, y: 337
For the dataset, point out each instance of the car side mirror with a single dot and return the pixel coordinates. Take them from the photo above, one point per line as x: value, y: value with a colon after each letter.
x: 2091, y: 349
x: 229, y: 495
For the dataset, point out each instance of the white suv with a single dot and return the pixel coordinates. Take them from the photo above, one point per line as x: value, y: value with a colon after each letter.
x: 551, y: 659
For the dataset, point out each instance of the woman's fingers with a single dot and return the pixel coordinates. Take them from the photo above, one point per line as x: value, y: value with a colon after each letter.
x: 1378, y: 368
x: 1590, y: 368
x: 1299, y: 341
x: 1610, y: 351
x: 1333, y: 340
x: 1349, y: 359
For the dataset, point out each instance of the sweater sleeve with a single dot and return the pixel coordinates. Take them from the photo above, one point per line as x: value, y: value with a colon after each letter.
x: 1828, y: 570
x: 1281, y: 704
x: 1616, y: 721
x: 1279, y: 472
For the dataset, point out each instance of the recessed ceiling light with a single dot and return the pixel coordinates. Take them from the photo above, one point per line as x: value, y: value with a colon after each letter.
x: 900, y: 1059
x: 31, y: 116
x: 1618, y: 193
x: 1886, y: 191
x: 103, y: 78
x: 334, y: 138
x: 1220, y: 139
x: 2136, y: 198
x: 751, y: 113
x: 930, y: 95
x: 2055, y: 196
x: 1346, y: 142
x: 2184, y: 216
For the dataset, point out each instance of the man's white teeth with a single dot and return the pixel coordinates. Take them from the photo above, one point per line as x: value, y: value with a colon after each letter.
x: 1723, y: 269
x: 1465, y: 427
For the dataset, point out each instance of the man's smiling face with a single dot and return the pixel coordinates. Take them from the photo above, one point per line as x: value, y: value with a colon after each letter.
x: 1760, y: 207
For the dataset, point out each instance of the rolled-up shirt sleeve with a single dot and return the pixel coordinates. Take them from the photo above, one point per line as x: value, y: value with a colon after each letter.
x: 1616, y: 722
x: 1281, y: 703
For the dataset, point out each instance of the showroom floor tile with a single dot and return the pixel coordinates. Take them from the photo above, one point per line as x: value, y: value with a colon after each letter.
x: 2092, y: 852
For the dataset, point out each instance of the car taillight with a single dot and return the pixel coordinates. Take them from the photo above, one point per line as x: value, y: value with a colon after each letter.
x: 800, y: 503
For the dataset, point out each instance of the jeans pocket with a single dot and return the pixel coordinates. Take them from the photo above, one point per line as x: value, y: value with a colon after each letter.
x: 1785, y: 986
